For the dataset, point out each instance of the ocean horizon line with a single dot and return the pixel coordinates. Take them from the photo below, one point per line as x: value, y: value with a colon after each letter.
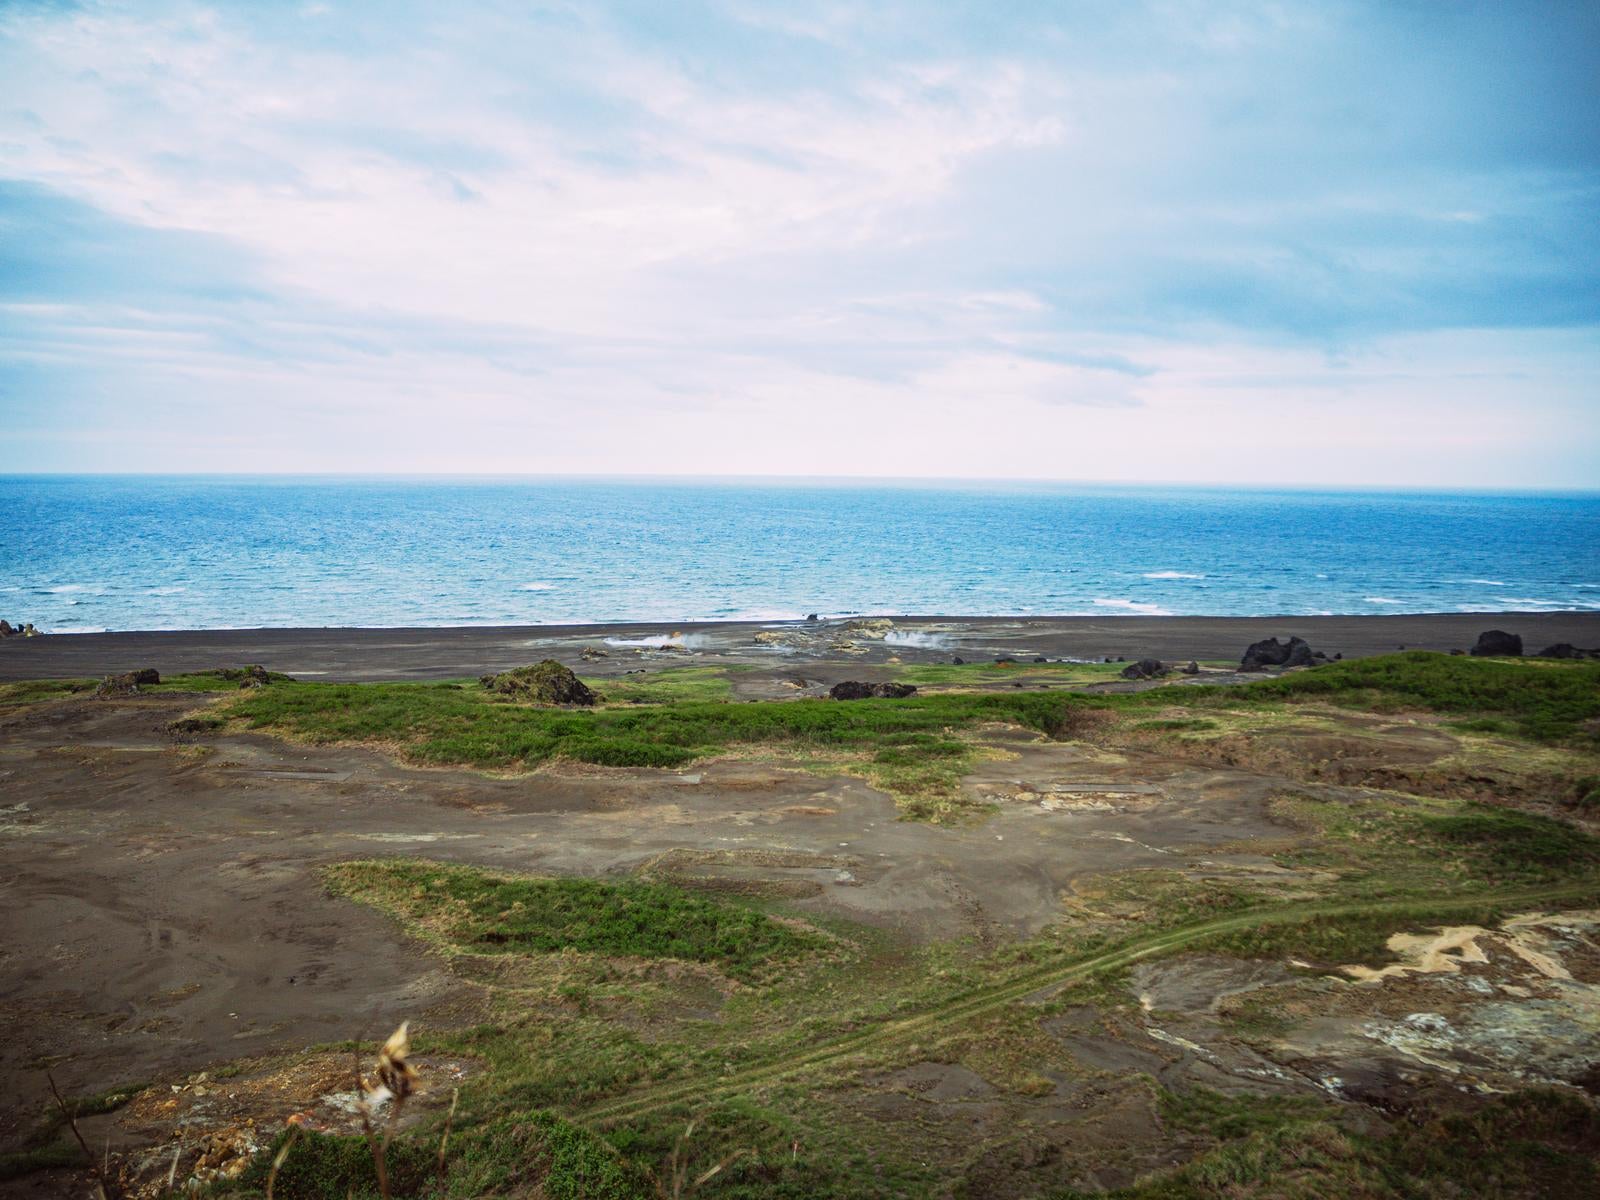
x: 884, y: 482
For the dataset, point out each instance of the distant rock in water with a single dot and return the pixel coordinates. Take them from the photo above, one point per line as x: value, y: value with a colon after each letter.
x: 1145, y: 668
x: 128, y: 683
x: 1497, y: 643
x: 855, y: 689
x: 1296, y: 652
x: 547, y: 682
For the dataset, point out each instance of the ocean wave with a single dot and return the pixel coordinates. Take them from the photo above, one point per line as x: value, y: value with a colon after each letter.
x: 165, y: 591
x: 915, y: 640
x: 1151, y: 610
x: 536, y: 587
x: 1382, y: 600
x: 1173, y: 575
x: 1487, y: 582
x: 689, y: 641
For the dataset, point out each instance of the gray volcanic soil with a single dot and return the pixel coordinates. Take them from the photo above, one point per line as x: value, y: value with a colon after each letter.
x: 160, y: 911
x: 397, y: 654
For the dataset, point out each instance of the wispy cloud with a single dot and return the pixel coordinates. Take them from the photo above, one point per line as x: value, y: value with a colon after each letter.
x: 733, y: 237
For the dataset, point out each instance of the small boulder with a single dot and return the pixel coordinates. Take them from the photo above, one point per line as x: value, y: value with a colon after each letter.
x: 1145, y: 668
x: 6, y: 630
x: 1191, y: 668
x: 855, y: 689
x: 253, y: 676
x: 1041, y: 659
x: 958, y: 661
x: 813, y: 617
x: 546, y: 682
x: 127, y: 683
x: 1496, y: 643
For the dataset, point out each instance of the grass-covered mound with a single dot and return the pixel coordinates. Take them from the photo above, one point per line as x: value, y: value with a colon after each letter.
x: 1543, y: 701
x: 489, y: 912
x: 448, y: 723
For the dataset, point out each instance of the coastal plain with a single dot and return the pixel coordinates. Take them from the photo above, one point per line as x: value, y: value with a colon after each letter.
x: 1036, y: 930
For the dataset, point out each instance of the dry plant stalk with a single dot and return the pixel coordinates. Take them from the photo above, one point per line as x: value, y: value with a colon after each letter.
x: 444, y: 1138
x: 278, y: 1159
x: 678, y: 1183
x: 88, y: 1155
x: 397, y: 1081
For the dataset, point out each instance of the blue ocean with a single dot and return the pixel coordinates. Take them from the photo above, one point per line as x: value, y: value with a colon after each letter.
x: 82, y: 554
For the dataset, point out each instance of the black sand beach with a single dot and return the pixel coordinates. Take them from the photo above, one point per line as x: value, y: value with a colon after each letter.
x: 443, y: 653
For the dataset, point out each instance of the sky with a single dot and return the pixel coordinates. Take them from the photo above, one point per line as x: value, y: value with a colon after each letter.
x: 1269, y: 242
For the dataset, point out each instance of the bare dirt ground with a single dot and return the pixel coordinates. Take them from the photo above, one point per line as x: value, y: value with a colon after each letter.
x: 162, y: 919
x: 160, y: 911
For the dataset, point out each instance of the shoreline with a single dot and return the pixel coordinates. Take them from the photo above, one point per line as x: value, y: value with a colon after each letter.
x: 442, y: 652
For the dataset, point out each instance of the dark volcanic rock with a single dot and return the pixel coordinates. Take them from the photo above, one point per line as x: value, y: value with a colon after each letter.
x: 1145, y: 668
x: 1296, y: 652
x: 547, y: 682
x: 1192, y: 668
x: 6, y: 630
x: 1567, y: 650
x: 253, y: 676
x: 959, y: 661
x: 128, y: 683
x: 854, y: 689
x: 1496, y: 643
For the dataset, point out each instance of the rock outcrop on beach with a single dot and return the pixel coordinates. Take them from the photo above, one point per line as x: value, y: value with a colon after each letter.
x: 1145, y: 668
x: 7, y: 629
x: 1567, y: 650
x: 253, y: 676
x: 546, y: 682
x: 855, y: 689
x: 1497, y: 643
x: 1296, y: 652
x: 871, y: 629
x: 127, y: 683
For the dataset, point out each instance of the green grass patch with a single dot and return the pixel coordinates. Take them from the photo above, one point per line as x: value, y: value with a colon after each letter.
x: 489, y: 913
x: 991, y: 674
x: 1513, y: 844
x: 453, y: 723
x: 1526, y: 1145
x: 36, y: 691
x: 63, y: 1152
x: 48, y: 1144
x: 674, y: 685
x: 1543, y: 701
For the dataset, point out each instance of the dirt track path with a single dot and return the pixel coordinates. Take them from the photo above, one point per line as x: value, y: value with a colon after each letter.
x: 981, y: 1000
